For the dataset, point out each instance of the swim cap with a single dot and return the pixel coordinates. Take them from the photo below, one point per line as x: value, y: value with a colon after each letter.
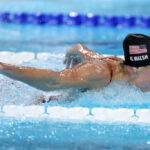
x: 137, y: 50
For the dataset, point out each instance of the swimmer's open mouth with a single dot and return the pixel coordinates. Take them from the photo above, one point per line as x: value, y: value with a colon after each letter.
x: 56, y: 43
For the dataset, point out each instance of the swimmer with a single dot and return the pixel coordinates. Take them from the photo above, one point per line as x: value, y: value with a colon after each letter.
x: 87, y: 70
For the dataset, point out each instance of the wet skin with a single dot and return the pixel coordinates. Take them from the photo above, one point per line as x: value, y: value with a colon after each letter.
x: 85, y: 69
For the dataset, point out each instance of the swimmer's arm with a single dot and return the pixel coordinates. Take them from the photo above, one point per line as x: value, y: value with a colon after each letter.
x: 85, y: 76
x: 84, y: 52
x: 80, y: 53
x: 38, y: 78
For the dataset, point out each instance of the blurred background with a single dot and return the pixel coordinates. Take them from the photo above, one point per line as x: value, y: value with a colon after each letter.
x: 42, y: 37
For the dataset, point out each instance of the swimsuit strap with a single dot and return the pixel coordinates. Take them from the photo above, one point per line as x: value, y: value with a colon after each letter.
x: 111, y: 73
x: 110, y: 65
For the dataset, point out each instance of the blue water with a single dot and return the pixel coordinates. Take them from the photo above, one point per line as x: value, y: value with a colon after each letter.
x: 19, y: 134
x: 34, y: 38
x: 42, y: 134
x: 115, y: 7
x: 23, y: 134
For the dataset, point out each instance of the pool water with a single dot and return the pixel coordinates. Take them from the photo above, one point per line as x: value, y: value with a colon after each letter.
x: 44, y: 133
x: 49, y: 134
x: 125, y: 7
x: 109, y: 97
x: 45, y: 47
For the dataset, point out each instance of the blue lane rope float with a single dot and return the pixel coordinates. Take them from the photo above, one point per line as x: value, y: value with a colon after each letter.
x: 74, y: 18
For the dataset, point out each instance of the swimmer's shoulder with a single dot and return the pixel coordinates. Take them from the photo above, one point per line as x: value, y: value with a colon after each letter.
x: 113, y: 58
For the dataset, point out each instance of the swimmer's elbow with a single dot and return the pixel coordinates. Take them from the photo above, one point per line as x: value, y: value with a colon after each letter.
x: 50, y: 87
x: 45, y: 85
x: 63, y: 80
x: 53, y: 87
x: 47, y: 88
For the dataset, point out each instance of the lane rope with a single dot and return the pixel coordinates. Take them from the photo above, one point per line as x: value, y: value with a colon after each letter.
x: 75, y: 19
x: 77, y: 113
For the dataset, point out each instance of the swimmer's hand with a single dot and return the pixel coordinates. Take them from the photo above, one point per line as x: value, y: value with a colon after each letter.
x: 72, y: 57
x: 70, y: 61
x: 80, y: 53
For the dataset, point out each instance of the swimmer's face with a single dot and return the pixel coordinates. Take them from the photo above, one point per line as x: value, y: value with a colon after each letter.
x: 129, y: 69
x: 126, y: 68
x: 132, y: 70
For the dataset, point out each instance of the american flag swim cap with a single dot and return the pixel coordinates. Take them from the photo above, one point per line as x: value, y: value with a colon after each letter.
x: 137, y: 50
